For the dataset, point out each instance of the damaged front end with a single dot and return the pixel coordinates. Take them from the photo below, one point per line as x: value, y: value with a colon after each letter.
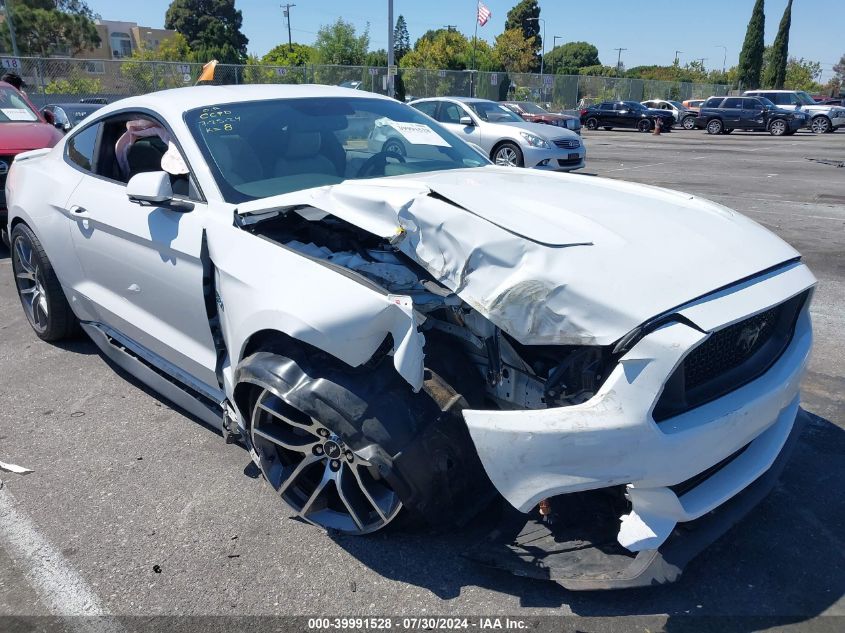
x: 559, y: 385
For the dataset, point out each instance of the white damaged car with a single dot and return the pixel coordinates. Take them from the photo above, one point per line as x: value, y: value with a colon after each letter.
x: 414, y: 333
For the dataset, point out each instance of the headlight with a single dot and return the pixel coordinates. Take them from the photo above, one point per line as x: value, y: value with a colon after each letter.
x: 534, y: 141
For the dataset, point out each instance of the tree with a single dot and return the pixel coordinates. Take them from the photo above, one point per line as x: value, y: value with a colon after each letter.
x: 282, y: 55
x: 212, y: 28
x: 513, y: 51
x: 802, y: 74
x: 45, y: 27
x: 376, y: 58
x: 839, y: 69
x: 572, y: 55
x: 751, y: 56
x: 142, y: 75
x: 524, y: 16
x: 443, y: 49
x: 339, y: 44
x: 776, y: 70
x: 401, y: 39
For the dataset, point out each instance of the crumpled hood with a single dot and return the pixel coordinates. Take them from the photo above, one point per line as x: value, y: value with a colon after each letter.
x: 21, y: 136
x: 553, y: 258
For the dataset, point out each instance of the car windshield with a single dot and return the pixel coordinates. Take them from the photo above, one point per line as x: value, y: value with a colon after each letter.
x: 678, y: 105
x: 766, y: 102
x: 531, y: 108
x: 493, y: 112
x: 635, y: 105
x: 78, y: 112
x: 805, y: 98
x: 13, y: 107
x: 263, y: 148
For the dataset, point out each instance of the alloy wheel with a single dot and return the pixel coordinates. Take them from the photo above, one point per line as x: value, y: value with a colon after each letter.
x: 820, y: 125
x: 714, y: 127
x: 777, y: 128
x: 30, y: 283
x: 506, y: 157
x: 689, y: 123
x: 315, y: 473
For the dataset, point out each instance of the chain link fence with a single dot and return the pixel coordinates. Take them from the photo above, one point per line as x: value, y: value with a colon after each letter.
x: 54, y: 80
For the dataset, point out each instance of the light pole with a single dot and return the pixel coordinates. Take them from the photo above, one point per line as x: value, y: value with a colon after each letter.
x: 390, y: 51
x: 678, y: 61
x: 555, y: 38
x: 8, y: 15
x: 725, y: 58
x: 619, y: 58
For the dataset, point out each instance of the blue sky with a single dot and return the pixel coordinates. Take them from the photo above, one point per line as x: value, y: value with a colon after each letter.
x: 651, y: 30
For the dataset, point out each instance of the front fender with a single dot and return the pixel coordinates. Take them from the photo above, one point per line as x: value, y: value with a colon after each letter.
x: 262, y: 285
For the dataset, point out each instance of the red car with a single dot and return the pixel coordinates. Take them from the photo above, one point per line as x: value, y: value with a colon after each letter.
x: 533, y: 113
x: 22, y: 128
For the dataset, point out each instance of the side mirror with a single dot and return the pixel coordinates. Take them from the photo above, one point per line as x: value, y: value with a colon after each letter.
x: 49, y: 117
x: 466, y: 121
x: 152, y: 188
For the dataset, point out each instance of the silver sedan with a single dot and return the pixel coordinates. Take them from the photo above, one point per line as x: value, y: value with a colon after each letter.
x: 504, y: 136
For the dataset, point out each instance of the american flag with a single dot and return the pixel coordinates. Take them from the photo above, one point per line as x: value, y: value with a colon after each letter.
x: 484, y: 14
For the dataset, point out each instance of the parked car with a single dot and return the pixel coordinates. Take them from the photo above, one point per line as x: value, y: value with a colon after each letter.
x: 683, y: 116
x: 822, y: 118
x: 692, y: 104
x: 504, y: 136
x: 723, y: 115
x: 22, y: 128
x: 419, y: 334
x: 68, y: 115
x: 833, y: 101
x: 626, y: 114
x: 97, y: 100
x: 533, y: 113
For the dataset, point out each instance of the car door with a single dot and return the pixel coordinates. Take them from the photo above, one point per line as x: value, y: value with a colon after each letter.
x: 449, y: 114
x: 622, y: 115
x: 753, y: 114
x: 143, y: 271
x: 732, y: 112
x: 606, y: 114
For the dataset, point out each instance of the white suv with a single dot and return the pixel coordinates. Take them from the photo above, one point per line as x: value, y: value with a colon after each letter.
x: 823, y: 118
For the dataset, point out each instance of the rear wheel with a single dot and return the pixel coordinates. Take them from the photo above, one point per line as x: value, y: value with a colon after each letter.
x: 777, y: 127
x: 592, y: 123
x: 395, y: 147
x: 40, y: 292
x: 714, y: 126
x: 688, y: 122
x: 821, y: 125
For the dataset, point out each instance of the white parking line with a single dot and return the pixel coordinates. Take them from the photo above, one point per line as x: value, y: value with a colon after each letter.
x: 58, y: 585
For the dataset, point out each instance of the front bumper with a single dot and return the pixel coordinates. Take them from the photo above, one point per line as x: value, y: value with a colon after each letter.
x: 613, y: 440
x: 555, y: 159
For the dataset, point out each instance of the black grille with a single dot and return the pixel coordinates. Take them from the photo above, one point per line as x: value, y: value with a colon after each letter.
x: 565, y: 143
x: 729, y: 359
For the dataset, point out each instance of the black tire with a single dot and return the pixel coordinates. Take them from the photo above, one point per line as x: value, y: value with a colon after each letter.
x: 607, y: 128
x: 644, y: 126
x: 395, y: 147
x: 412, y: 451
x: 821, y: 124
x: 727, y: 130
x: 592, y: 123
x: 714, y: 126
x: 39, y: 290
x: 507, y: 154
x: 778, y: 127
x: 688, y: 122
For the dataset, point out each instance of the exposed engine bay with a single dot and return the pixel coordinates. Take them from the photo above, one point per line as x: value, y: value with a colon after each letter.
x: 516, y: 376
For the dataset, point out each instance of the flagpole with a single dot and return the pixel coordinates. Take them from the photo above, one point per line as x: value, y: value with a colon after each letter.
x: 474, y: 44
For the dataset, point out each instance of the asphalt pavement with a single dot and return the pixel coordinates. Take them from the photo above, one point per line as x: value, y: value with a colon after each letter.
x: 136, y: 509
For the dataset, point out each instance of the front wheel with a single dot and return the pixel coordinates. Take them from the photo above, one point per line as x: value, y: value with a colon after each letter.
x: 508, y: 155
x: 821, y: 125
x: 777, y: 127
x: 40, y: 292
x: 644, y: 125
x: 715, y: 126
x: 688, y: 123
x: 592, y: 123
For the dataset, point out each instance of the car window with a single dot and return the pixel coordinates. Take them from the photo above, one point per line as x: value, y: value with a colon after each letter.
x: 733, y: 102
x: 752, y: 104
x: 450, y: 113
x: 606, y: 106
x: 712, y: 102
x: 532, y: 108
x: 427, y: 107
x: 13, y: 107
x: 493, y: 112
x: 257, y: 149
x: 80, y: 147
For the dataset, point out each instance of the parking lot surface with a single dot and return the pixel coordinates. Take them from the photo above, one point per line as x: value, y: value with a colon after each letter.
x: 147, y: 512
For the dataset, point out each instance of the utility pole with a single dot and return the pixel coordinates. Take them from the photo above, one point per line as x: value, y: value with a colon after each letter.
x: 11, y: 28
x: 390, y: 52
x: 286, y: 9
x: 677, y: 60
x: 702, y: 60
x: 725, y: 58
x: 450, y: 27
x: 555, y: 38
x: 619, y: 58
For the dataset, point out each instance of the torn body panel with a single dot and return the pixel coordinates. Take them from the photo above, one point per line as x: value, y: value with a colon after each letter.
x: 580, y: 270
x: 278, y: 289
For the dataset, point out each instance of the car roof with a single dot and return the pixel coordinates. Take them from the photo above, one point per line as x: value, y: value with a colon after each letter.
x: 173, y: 103
x: 767, y: 90
x: 460, y: 99
x: 74, y: 104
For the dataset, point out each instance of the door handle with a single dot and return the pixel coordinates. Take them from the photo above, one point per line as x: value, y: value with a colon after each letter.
x: 80, y: 212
